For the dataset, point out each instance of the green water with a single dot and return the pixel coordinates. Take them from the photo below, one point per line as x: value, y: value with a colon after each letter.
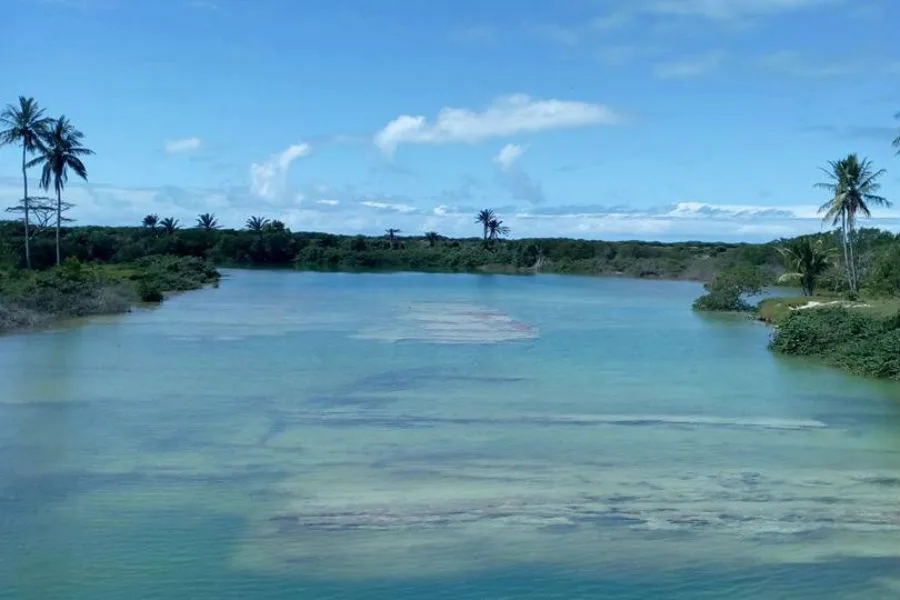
x: 428, y: 436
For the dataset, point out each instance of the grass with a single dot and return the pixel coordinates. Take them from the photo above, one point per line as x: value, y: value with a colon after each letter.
x: 775, y: 310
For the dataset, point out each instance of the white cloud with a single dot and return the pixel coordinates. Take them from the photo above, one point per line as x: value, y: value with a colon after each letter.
x: 690, y: 67
x: 507, y: 115
x: 508, y: 155
x: 183, y: 145
x: 328, y: 202
x: 402, y: 208
x: 269, y: 179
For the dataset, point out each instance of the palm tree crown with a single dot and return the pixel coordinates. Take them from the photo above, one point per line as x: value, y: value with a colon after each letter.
x: 150, y: 221
x: 496, y: 229
x: 432, y: 238
x: 207, y: 222
x: 485, y: 217
x: 806, y: 259
x: 257, y: 224
x: 169, y: 224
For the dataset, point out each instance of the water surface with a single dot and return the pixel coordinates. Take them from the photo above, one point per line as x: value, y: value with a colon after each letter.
x: 429, y: 436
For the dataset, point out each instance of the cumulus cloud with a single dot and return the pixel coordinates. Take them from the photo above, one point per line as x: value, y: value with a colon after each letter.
x: 507, y: 115
x: 508, y: 156
x: 183, y: 145
x: 269, y: 179
x: 517, y: 182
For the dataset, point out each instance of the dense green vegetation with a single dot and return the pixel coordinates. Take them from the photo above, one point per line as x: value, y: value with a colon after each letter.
x: 850, y: 338
x: 33, y: 298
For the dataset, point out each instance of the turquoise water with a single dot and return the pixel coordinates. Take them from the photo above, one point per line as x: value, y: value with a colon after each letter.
x: 428, y: 436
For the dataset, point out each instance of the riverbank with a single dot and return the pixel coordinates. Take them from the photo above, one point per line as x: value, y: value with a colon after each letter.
x: 862, y: 337
x: 32, y: 299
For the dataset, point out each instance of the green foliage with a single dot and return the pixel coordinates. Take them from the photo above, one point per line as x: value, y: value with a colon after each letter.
x: 884, y: 278
x: 849, y: 338
x: 729, y: 290
x: 31, y: 298
x: 806, y: 259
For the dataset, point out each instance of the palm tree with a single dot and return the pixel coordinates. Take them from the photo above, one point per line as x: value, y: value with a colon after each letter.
x: 207, y: 222
x: 24, y: 125
x: 169, y: 225
x: 485, y: 217
x: 60, y: 150
x: 151, y: 221
x: 257, y: 224
x: 853, y: 184
x: 496, y: 229
x: 390, y: 235
x: 806, y: 259
x: 432, y: 238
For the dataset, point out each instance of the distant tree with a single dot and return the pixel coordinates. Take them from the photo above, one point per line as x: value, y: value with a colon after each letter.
x: 276, y: 225
x: 806, y: 260
x: 207, y: 222
x: 485, y: 217
x: 853, y: 184
x: 61, y: 149
x: 169, y: 225
x: 25, y: 125
x: 432, y: 237
x: 151, y: 222
x: 391, y: 235
x: 496, y: 229
x: 257, y: 224
x: 42, y: 210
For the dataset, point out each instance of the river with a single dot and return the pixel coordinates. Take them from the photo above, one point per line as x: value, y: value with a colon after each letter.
x: 296, y: 435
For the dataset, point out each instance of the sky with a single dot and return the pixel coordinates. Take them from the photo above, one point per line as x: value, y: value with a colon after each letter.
x: 609, y: 119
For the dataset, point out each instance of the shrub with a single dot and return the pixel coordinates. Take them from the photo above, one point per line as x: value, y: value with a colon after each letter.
x: 729, y: 289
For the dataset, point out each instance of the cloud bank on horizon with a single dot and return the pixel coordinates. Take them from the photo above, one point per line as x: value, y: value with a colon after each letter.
x: 653, y: 119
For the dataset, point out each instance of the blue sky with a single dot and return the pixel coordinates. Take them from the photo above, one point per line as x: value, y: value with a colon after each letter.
x: 648, y: 119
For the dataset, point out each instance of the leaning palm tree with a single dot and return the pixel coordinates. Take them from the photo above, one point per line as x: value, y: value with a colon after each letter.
x: 60, y: 149
x: 24, y: 124
x: 853, y: 185
x: 391, y: 235
x: 432, y: 238
x: 207, y: 222
x: 257, y: 224
x: 151, y: 222
x: 896, y: 142
x: 169, y: 225
x: 806, y: 259
x: 496, y: 229
x: 485, y: 217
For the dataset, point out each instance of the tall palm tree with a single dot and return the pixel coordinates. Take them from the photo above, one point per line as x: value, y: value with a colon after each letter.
x: 853, y: 185
x: 391, y: 233
x: 60, y: 149
x: 432, y: 238
x: 806, y: 259
x: 151, y: 222
x: 257, y: 224
x: 169, y: 225
x: 24, y: 125
x: 207, y: 222
x: 485, y: 217
x: 496, y: 229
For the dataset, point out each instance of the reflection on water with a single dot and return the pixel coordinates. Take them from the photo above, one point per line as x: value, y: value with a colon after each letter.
x: 295, y: 435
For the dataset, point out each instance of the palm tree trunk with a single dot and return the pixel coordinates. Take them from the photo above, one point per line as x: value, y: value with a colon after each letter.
x: 855, y: 287
x: 26, y: 205
x: 58, y: 222
x: 844, y: 247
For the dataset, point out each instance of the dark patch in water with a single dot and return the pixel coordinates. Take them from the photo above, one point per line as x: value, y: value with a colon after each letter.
x: 357, y: 401
x: 399, y: 380
x: 883, y: 481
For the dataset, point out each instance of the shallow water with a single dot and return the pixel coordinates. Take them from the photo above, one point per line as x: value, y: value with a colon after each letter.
x: 427, y: 436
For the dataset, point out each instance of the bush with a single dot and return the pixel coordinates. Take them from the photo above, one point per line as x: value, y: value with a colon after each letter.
x: 848, y: 338
x: 150, y: 291
x: 729, y: 289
